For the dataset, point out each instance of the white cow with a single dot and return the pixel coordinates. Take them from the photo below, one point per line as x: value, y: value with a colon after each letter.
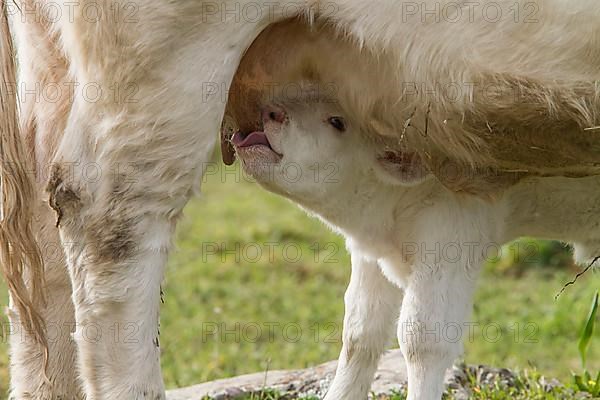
x: 418, y: 229
x: 119, y: 104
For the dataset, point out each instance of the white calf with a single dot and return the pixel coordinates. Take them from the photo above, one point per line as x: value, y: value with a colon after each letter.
x: 408, y: 234
x: 417, y: 229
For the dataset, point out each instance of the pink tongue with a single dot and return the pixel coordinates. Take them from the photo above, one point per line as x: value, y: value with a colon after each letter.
x: 250, y: 140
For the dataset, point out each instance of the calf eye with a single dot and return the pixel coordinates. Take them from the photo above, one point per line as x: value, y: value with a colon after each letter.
x: 338, y: 123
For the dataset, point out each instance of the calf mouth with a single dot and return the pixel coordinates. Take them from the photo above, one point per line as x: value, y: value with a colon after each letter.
x: 250, y: 135
x: 251, y: 142
x: 254, y: 145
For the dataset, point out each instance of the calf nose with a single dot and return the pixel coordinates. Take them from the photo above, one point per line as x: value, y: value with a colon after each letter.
x: 273, y: 114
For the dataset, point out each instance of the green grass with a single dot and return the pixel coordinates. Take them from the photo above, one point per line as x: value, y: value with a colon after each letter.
x: 526, y: 386
x: 233, y: 306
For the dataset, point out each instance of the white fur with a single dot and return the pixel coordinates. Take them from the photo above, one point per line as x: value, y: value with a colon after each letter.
x: 148, y: 134
x: 115, y: 230
x: 428, y: 241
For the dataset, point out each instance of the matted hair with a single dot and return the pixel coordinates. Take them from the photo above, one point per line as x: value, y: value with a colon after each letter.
x: 22, y: 264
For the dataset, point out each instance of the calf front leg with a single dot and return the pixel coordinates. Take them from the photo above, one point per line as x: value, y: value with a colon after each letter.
x: 436, y: 303
x: 372, y: 304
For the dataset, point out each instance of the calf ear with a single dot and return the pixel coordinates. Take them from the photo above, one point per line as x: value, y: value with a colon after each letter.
x: 401, y: 168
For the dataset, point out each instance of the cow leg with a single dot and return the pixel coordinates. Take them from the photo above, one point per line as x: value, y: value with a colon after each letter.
x: 117, y: 231
x: 30, y: 377
x: 372, y: 307
x: 116, y: 260
x: 44, y: 110
x: 436, y: 303
x: 151, y: 90
x: 116, y: 208
x: 128, y: 163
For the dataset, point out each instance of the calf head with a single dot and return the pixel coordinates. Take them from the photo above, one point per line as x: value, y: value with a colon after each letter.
x: 313, y: 152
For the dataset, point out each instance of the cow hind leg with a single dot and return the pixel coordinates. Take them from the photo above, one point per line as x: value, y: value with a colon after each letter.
x: 35, y: 373
x: 128, y: 162
x: 116, y: 231
x: 121, y: 176
x: 116, y: 243
x: 31, y: 378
